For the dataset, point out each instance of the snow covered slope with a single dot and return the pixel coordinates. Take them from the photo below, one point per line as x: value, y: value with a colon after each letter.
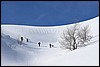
x: 30, y: 54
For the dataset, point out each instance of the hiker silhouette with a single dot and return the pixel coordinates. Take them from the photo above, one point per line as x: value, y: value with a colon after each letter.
x: 27, y: 39
x: 39, y: 44
x: 50, y: 45
x: 21, y: 40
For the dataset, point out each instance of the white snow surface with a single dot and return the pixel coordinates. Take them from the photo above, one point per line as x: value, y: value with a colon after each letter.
x: 29, y: 54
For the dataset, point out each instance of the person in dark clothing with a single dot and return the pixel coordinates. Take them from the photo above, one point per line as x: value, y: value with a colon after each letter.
x: 27, y: 39
x: 21, y: 40
x: 50, y: 45
x: 39, y: 44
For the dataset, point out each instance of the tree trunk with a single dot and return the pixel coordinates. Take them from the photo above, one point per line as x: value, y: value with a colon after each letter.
x: 74, y: 43
x: 73, y: 47
x: 76, y: 46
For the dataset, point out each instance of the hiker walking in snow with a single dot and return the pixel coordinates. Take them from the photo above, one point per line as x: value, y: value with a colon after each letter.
x: 21, y: 40
x: 27, y: 39
x: 50, y: 45
x: 39, y: 44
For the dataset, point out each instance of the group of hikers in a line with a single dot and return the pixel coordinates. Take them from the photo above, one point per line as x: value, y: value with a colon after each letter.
x: 21, y: 40
x: 49, y: 45
x: 27, y: 40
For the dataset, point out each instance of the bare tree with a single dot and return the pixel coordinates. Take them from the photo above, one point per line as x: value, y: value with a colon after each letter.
x: 74, y: 35
x: 84, y: 36
x: 69, y: 38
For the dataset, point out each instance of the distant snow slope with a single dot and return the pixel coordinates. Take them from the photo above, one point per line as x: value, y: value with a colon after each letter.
x: 30, y: 54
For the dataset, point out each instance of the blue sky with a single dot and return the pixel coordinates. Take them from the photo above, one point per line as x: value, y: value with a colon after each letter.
x: 47, y: 13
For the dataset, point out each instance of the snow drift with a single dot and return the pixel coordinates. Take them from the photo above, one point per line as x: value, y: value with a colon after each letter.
x: 30, y: 54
